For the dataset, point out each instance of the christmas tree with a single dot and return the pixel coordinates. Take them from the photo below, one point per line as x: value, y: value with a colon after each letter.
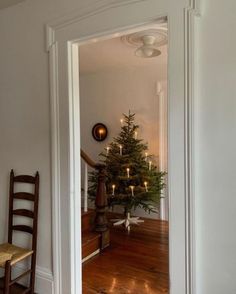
x: 133, y: 179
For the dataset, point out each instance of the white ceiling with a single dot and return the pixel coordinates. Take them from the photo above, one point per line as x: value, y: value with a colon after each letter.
x: 7, y: 3
x: 115, y: 54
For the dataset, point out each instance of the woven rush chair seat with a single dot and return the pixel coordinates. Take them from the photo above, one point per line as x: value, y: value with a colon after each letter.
x: 13, y: 253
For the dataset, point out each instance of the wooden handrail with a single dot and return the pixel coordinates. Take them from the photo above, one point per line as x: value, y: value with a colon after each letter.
x: 101, y: 224
x: 90, y: 162
x: 87, y: 159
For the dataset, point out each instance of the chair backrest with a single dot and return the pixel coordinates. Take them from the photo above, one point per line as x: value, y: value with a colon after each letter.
x: 32, y: 214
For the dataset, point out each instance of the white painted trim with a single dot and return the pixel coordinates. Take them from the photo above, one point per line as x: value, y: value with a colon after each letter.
x: 44, y: 273
x: 43, y: 279
x: 162, y: 135
x: 89, y: 11
x: 84, y: 12
x: 162, y: 121
x: 91, y: 255
x: 85, y: 187
x: 190, y: 13
x: 55, y: 166
x: 75, y: 167
x: 52, y: 30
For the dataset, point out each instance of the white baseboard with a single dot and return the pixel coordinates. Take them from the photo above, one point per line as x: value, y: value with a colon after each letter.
x: 91, y: 255
x: 43, y: 281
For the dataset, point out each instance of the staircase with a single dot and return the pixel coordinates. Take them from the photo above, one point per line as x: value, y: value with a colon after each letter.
x: 90, y: 239
x: 95, y: 231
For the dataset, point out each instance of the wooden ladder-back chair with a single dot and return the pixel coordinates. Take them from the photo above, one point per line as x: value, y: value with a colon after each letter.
x: 11, y: 254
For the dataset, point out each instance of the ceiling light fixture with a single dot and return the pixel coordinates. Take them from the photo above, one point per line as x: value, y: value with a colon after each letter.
x: 147, y: 43
x: 148, y: 49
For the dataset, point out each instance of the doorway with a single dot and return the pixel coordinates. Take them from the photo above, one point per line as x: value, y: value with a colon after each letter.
x: 63, y: 35
x: 123, y: 85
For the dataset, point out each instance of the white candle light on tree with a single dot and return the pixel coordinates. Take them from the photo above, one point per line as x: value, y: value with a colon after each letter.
x: 121, y: 122
x: 108, y: 149
x: 132, y: 190
x: 113, y: 190
x: 150, y: 165
x: 121, y: 147
x: 146, y: 156
x: 128, y: 170
x: 135, y: 135
x: 145, y: 184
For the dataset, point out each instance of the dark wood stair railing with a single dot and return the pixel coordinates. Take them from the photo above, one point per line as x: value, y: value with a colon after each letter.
x: 101, y: 223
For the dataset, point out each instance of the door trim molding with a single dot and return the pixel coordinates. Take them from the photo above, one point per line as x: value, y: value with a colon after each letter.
x: 189, y: 16
x: 52, y: 30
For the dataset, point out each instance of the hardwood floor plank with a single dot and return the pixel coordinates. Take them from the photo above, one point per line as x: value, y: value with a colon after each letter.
x: 15, y: 289
x: 135, y: 263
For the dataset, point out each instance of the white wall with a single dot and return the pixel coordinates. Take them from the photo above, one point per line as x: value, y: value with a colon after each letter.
x: 25, y: 137
x: 215, y: 143
x: 24, y: 113
x: 105, y: 95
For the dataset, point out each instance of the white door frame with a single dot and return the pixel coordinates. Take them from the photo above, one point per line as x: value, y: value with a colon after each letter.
x: 105, y: 17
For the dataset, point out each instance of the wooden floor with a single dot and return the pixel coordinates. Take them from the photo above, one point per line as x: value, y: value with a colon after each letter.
x: 135, y: 263
x: 15, y: 289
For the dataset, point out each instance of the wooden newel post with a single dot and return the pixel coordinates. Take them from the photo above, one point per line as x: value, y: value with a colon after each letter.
x: 101, y: 224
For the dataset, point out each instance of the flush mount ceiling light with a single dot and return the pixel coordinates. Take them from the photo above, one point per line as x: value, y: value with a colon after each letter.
x: 147, y: 42
x: 148, y: 49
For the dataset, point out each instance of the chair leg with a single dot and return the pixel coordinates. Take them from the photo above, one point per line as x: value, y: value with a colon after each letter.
x: 32, y: 276
x: 7, y: 277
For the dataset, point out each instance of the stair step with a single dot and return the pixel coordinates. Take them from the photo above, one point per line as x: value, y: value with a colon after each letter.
x: 90, y: 243
x: 88, y: 220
